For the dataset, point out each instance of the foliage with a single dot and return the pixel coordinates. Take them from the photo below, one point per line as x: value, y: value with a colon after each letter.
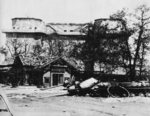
x: 102, y: 47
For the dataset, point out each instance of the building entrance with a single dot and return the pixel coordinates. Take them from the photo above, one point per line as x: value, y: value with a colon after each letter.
x: 57, y: 79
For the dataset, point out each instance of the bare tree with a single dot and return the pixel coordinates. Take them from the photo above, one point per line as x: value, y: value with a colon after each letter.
x: 17, y: 47
x: 142, y: 36
x: 138, y: 23
x: 58, y: 47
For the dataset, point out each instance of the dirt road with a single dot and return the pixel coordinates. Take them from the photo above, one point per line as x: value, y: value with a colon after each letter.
x: 30, y: 101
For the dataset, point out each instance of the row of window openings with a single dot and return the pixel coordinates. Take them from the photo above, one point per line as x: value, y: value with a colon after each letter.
x: 66, y: 30
x: 29, y: 28
x: 36, y: 28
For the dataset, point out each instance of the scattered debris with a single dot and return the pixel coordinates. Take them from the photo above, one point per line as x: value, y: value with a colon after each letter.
x: 94, y: 88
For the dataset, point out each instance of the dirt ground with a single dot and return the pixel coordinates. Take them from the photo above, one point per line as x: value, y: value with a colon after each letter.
x: 32, y: 101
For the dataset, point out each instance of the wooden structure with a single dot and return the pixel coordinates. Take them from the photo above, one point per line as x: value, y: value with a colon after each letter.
x: 58, y: 70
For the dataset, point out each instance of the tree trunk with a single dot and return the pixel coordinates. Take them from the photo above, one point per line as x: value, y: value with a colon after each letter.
x: 142, y: 60
x: 133, y: 71
x: 89, y: 68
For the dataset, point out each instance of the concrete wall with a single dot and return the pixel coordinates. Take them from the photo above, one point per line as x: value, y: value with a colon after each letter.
x: 28, y: 24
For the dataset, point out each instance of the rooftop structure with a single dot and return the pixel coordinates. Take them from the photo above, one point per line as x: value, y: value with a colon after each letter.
x: 25, y: 27
x: 112, y: 26
x: 28, y: 25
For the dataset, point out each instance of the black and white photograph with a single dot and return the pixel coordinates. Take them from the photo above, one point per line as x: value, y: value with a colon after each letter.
x: 74, y: 57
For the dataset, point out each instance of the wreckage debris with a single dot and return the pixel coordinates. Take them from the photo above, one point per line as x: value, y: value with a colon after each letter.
x: 95, y: 88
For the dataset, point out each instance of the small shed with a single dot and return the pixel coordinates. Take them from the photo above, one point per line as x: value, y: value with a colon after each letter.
x: 58, y: 70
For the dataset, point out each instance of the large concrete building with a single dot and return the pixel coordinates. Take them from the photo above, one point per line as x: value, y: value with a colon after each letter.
x: 36, y: 31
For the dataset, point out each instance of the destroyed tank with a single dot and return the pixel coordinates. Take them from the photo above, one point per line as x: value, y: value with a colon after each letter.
x: 121, y: 89
x: 141, y: 88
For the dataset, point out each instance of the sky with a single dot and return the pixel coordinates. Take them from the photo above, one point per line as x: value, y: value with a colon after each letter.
x: 62, y: 11
x: 77, y: 11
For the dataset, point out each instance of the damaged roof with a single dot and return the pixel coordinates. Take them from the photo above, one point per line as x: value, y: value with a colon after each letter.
x: 62, y: 61
x: 66, y: 29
